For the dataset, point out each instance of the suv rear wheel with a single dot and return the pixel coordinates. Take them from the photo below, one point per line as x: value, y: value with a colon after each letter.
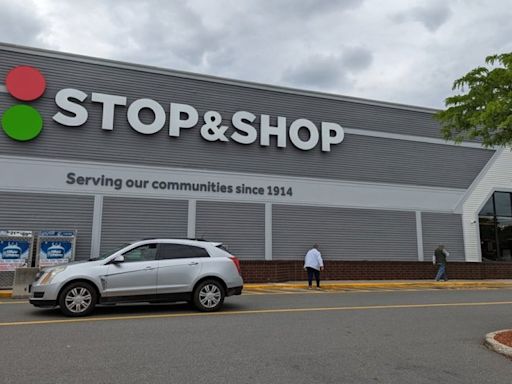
x: 209, y: 296
x: 78, y: 299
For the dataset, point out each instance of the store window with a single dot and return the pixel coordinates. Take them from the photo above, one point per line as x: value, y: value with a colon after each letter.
x: 495, y: 221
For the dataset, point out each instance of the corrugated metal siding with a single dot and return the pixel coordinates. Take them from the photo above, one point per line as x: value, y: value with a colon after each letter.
x: 35, y: 212
x: 446, y: 229
x: 343, y: 234
x: 240, y: 226
x: 358, y: 158
x: 204, y: 94
x: 129, y: 219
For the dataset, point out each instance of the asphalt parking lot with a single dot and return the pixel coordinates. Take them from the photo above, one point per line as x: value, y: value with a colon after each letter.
x: 416, y: 336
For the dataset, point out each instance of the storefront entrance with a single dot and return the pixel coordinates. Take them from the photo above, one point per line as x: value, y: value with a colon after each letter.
x: 495, y: 220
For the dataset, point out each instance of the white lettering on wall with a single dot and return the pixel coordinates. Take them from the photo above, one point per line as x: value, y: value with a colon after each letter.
x: 176, y: 122
x: 62, y: 99
x: 313, y: 134
x: 184, y: 116
x: 134, y: 118
x: 212, y: 130
x: 240, y: 121
x: 109, y: 103
x: 267, y: 130
x: 328, y: 139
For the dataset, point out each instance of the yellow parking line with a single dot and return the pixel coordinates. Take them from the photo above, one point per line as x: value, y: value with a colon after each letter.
x: 252, y: 312
x: 14, y: 302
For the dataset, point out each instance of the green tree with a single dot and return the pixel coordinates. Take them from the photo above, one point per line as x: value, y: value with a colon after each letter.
x: 484, y: 109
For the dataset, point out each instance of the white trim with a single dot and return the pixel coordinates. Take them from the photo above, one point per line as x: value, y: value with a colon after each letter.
x: 191, y: 222
x: 419, y: 236
x: 3, y: 88
x: 478, y: 179
x: 479, y: 240
x: 17, y: 174
x: 216, y: 79
x: 97, y: 222
x: 420, y: 139
x: 268, y: 231
x: 146, y: 168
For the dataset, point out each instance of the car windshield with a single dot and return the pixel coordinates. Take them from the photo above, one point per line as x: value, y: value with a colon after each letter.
x: 111, y: 251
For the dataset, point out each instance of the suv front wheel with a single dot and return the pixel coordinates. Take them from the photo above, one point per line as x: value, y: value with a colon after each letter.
x: 209, y: 296
x: 78, y: 299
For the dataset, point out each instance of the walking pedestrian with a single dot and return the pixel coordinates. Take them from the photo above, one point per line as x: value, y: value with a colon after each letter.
x: 439, y: 258
x: 313, y: 263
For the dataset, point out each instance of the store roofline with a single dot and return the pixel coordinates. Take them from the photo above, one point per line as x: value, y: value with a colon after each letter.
x: 203, y: 77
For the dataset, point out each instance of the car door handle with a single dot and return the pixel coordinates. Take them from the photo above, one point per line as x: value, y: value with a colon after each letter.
x: 148, y: 268
x: 193, y: 263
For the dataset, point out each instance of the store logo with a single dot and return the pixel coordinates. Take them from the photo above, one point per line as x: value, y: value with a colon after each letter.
x: 22, y: 122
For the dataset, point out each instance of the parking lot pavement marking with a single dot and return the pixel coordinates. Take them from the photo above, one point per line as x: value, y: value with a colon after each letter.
x: 284, y: 291
x: 333, y: 290
x: 252, y: 312
x: 14, y: 302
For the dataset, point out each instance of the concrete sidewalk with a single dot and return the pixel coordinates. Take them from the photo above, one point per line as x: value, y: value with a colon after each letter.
x: 386, y: 284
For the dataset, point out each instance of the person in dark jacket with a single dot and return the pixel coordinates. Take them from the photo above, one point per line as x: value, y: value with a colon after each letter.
x: 440, y: 255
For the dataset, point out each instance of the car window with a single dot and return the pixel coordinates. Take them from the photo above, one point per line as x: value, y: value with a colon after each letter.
x: 145, y: 252
x: 180, y: 251
x: 109, y: 252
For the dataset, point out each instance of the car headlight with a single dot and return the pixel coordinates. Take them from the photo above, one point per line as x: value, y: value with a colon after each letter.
x: 47, y: 277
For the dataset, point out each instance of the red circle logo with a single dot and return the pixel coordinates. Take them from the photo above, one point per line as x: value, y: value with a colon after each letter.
x: 25, y: 83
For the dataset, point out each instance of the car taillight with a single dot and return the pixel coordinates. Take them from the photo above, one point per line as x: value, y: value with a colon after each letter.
x: 237, y: 264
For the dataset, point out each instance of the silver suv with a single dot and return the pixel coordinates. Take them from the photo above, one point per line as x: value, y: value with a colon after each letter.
x: 153, y: 270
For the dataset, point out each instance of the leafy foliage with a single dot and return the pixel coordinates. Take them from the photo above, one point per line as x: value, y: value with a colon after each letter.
x: 484, y: 112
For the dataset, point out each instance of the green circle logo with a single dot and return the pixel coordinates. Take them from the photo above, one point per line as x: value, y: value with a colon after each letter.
x: 22, y: 122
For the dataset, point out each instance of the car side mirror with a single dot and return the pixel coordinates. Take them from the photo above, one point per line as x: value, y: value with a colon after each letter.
x: 118, y: 259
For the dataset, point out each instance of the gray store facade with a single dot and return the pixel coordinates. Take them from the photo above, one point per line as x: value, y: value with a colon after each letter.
x: 130, y: 151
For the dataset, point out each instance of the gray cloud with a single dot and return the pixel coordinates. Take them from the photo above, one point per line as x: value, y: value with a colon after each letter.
x: 304, y: 8
x: 357, y: 58
x: 20, y: 23
x: 318, y: 72
x: 433, y: 15
x: 394, y: 51
x: 329, y: 71
x: 164, y: 35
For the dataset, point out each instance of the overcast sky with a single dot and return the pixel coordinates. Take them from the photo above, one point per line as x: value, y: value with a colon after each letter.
x: 401, y: 51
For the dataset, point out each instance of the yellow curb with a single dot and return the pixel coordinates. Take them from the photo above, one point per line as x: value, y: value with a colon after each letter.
x: 5, y: 294
x: 399, y: 285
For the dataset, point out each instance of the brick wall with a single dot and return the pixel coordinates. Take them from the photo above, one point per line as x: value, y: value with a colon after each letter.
x: 291, y: 270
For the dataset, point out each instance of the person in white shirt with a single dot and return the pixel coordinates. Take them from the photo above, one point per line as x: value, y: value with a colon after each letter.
x: 313, y: 263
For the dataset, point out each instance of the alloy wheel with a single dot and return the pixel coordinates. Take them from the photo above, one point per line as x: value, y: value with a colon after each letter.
x: 78, y: 300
